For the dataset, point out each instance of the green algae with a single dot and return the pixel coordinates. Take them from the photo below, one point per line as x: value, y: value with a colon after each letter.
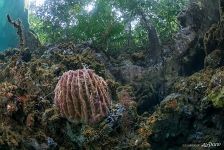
x: 217, y: 98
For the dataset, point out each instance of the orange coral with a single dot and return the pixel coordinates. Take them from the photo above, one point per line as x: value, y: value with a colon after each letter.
x: 30, y: 120
x: 125, y: 96
x: 126, y: 99
x: 152, y: 119
x: 89, y: 132
x: 11, y: 108
x: 172, y: 104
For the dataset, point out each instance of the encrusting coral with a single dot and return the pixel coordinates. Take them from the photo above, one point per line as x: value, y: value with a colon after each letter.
x: 82, y: 96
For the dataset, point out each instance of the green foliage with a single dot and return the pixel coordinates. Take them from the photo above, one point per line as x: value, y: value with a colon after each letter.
x: 111, y: 25
x: 162, y: 13
x: 165, y: 17
x: 44, y: 30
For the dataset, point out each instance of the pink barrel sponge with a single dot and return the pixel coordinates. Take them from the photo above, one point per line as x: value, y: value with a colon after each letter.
x: 82, y: 96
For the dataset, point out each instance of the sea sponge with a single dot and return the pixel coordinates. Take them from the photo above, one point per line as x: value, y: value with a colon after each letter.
x: 82, y: 96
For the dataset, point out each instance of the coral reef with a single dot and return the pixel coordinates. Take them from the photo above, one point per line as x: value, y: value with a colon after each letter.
x: 214, y: 59
x: 213, y: 38
x: 27, y: 83
x: 82, y: 96
x: 150, y: 107
x: 190, y: 115
x: 30, y: 119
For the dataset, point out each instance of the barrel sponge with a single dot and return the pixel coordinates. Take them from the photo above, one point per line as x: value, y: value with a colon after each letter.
x: 82, y: 96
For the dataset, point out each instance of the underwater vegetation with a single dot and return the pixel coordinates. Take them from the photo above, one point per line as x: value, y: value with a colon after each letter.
x: 72, y: 95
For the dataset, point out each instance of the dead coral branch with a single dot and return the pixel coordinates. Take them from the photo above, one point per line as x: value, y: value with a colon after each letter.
x: 18, y: 25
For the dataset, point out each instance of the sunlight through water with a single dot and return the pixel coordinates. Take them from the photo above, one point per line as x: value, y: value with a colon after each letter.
x: 37, y: 2
x: 90, y: 6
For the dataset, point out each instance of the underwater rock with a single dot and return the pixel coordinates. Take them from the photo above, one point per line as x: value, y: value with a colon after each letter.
x: 214, y: 59
x: 200, y: 15
x: 195, y: 86
x: 31, y: 85
x: 170, y: 102
x: 196, y: 19
x: 25, y: 55
x: 125, y: 96
x: 151, y: 89
x: 192, y: 114
x: 108, y: 133
x: 215, y: 91
x: 113, y: 85
x: 217, y: 97
x: 168, y: 131
x: 217, y: 80
x: 146, y: 97
x: 213, y: 38
x: 9, y: 138
x: 2, y: 56
x: 147, y: 83
x: 175, y: 103
x: 39, y: 119
x: 32, y: 144
x: 184, y: 38
x: 51, y: 143
x: 111, y: 122
x: 131, y: 73
x: 138, y: 57
x: 187, y: 111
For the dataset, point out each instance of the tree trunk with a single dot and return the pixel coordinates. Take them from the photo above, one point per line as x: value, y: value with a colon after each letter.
x: 129, y: 35
x: 154, y: 52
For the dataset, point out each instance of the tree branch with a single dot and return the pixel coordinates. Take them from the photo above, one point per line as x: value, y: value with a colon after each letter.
x: 18, y: 25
